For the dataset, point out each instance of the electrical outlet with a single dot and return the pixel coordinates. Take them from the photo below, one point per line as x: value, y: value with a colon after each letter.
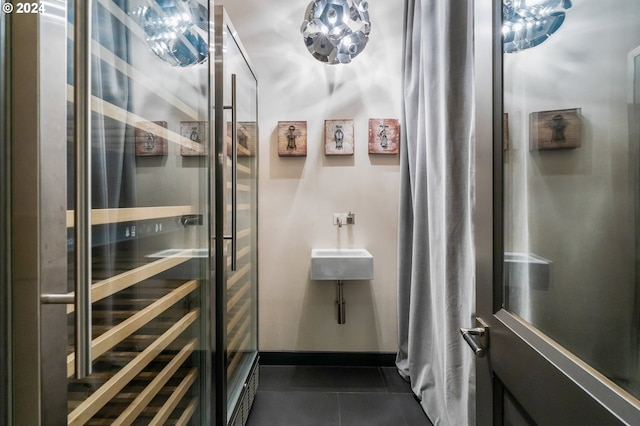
x: 341, y: 216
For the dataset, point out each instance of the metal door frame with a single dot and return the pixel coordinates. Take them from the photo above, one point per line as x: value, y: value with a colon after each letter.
x: 38, y: 256
x: 559, y: 387
x: 5, y: 274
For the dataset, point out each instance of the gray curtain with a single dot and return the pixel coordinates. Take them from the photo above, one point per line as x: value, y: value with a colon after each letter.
x: 436, y: 255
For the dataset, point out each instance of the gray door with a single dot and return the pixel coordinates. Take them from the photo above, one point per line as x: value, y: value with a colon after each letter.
x: 558, y: 213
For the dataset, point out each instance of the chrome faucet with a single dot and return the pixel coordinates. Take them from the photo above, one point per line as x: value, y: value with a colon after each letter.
x: 351, y: 218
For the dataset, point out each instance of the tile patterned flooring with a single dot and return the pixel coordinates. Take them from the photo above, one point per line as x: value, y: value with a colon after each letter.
x: 334, y: 396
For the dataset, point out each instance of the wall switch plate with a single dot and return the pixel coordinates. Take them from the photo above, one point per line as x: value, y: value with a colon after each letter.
x: 341, y: 216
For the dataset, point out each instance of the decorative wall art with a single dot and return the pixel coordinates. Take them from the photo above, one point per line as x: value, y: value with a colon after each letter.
x: 151, y: 138
x: 196, y: 132
x: 292, y: 138
x: 384, y: 135
x: 559, y: 129
x: 247, y: 136
x: 338, y: 137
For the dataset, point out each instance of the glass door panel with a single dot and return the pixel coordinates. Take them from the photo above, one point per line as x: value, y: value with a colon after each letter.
x: 149, y: 215
x: 571, y: 184
x: 240, y: 226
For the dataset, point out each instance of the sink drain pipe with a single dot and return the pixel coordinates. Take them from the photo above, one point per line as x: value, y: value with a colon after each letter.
x: 340, y: 303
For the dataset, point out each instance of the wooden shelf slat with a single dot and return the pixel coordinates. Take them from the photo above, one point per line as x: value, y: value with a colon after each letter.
x: 241, y: 253
x: 105, y: 216
x: 90, y: 406
x: 238, y: 315
x: 233, y: 365
x: 143, y: 399
x: 186, y: 415
x: 111, y: 286
x: 234, y: 343
x: 237, y: 275
x: 241, y: 168
x: 241, y: 207
x: 240, y: 187
x: 139, y: 77
x: 237, y: 296
x: 122, y: 115
x: 117, y: 334
x: 174, y: 399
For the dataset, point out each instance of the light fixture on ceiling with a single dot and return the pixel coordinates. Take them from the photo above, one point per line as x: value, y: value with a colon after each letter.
x: 336, y: 31
x: 175, y: 30
x: 527, y: 23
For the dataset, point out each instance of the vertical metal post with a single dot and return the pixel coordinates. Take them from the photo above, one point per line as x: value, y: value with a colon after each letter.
x: 219, y: 183
x: 340, y: 302
x: 234, y: 175
x: 82, y: 193
x: 5, y: 204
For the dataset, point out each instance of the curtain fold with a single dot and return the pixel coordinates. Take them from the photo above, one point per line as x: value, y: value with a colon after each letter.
x: 436, y: 256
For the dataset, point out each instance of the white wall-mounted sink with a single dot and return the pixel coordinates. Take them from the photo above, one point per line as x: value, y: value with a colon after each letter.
x: 341, y: 264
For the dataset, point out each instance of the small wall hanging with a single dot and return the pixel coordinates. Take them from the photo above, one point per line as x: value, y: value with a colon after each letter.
x: 384, y: 135
x: 558, y: 129
x: 151, y: 138
x: 338, y: 137
x: 196, y: 132
x: 292, y: 138
x: 247, y: 136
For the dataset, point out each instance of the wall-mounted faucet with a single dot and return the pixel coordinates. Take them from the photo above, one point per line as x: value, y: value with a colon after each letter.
x: 344, y: 219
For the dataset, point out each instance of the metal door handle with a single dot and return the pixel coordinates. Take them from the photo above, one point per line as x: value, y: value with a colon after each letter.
x: 81, y: 297
x: 234, y: 175
x: 470, y: 336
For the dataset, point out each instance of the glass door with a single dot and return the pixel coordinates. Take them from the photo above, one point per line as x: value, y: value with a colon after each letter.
x: 122, y: 212
x: 558, y: 195
x: 236, y: 139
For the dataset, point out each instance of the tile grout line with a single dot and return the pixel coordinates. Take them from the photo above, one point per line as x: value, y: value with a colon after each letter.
x: 339, y: 414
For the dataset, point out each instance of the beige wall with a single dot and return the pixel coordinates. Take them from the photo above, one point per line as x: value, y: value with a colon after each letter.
x: 298, y: 196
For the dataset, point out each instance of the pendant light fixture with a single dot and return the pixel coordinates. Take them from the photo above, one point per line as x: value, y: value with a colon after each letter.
x: 336, y: 31
x: 528, y: 23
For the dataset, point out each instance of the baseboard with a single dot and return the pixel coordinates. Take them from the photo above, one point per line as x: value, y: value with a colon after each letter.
x: 350, y: 359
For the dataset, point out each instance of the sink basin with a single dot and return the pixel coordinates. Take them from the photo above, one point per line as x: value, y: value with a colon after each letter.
x: 341, y: 264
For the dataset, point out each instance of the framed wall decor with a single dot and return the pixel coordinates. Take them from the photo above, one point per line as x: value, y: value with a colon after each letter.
x: 292, y: 138
x: 338, y: 137
x: 557, y: 129
x: 247, y: 136
x: 196, y: 132
x: 151, y: 138
x: 384, y: 135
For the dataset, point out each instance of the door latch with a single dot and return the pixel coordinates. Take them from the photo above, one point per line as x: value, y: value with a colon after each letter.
x: 477, y: 338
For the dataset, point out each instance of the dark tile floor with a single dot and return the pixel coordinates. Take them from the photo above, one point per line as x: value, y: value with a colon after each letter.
x: 334, y: 396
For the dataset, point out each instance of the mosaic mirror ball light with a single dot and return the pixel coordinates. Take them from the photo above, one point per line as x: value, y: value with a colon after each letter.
x: 336, y: 31
x: 175, y: 30
x: 529, y: 23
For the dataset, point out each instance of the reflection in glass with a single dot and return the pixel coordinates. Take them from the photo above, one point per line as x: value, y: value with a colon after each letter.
x: 175, y: 30
x: 150, y: 247
x: 572, y: 216
x: 527, y: 23
x: 336, y: 31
